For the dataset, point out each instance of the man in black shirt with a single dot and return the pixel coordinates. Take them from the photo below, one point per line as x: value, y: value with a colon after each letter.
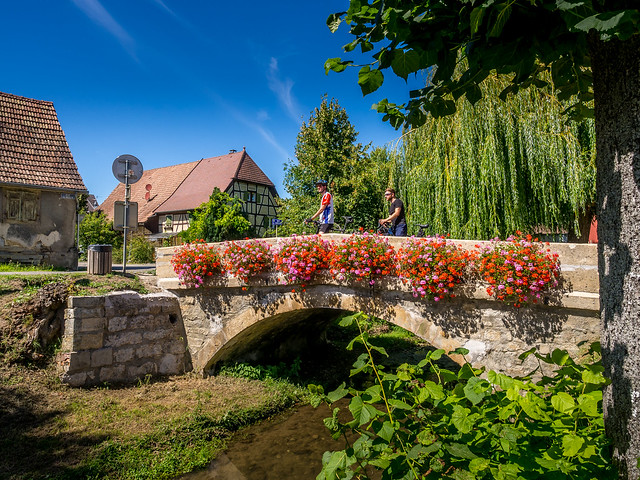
x: 396, y: 218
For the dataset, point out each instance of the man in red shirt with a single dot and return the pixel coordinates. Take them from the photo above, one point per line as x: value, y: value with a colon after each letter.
x: 325, y: 212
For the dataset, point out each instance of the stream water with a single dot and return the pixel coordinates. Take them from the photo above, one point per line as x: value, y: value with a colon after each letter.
x: 289, y: 446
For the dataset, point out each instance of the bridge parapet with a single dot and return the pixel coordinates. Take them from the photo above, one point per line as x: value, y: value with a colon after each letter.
x: 224, y: 321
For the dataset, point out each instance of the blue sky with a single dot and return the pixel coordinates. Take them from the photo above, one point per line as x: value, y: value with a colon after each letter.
x: 173, y: 81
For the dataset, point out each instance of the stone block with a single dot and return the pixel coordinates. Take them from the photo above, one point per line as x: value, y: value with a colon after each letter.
x: 177, y: 347
x: 123, y: 338
x: 157, y: 334
x: 170, y: 365
x: 85, y: 302
x: 117, y: 324
x: 82, y: 312
x: 144, y: 322
x: 139, y: 371
x: 79, y: 361
x: 102, y: 357
x: 88, y: 341
x: 124, y: 355
x: 149, y: 350
x: 114, y: 374
x: 75, y: 379
x: 92, y: 324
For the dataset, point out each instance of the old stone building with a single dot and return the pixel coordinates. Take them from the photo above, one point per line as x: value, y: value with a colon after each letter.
x: 39, y: 181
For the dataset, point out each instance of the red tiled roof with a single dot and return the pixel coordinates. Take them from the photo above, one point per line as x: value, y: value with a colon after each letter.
x: 186, y: 186
x: 33, y: 148
x: 211, y: 173
x: 164, y: 181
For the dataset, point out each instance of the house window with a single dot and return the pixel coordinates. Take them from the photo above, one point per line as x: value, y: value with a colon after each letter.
x: 250, y: 197
x: 21, y: 206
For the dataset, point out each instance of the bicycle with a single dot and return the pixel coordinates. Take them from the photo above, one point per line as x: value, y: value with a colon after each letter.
x: 422, y: 229
x: 336, y: 228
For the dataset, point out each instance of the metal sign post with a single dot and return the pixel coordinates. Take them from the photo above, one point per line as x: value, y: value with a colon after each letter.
x: 127, y: 169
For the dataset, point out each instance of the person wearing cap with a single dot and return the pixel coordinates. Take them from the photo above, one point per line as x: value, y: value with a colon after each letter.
x: 325, y: 212
x: 396, y: 218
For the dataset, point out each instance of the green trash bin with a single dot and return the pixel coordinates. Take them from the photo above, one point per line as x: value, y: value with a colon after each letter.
x: 99, y: 260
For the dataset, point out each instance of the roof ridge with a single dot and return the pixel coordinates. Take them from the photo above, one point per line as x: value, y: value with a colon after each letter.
x: 244, y: 154
x: 12, y: 95
x: 178, y: 186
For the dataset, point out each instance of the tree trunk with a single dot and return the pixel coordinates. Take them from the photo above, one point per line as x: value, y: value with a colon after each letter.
x: 616, y: 75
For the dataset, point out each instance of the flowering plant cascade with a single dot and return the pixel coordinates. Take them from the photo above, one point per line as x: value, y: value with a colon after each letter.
x: 299, y: 258
x: 194, y: 262
x: 432, y: 266
x: 247, y: 259
x: 362, y: 256
x: 519, y: 269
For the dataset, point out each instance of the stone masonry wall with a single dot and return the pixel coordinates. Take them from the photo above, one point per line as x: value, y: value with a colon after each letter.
x: 122, y: 337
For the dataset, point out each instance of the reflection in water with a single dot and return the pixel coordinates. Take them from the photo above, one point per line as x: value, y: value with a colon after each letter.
x: 287, y: 447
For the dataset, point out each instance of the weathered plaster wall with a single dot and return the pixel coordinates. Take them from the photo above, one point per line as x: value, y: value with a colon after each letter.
x: 50, y: 239
x: 122, y: 337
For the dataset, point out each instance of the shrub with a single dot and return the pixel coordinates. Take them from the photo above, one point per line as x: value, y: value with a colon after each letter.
x: 518, y: 270
x: 141, y: 250
x: 362, y: 257
x: 424, y: 421
x: 433, y: 266
x: 194, y: 262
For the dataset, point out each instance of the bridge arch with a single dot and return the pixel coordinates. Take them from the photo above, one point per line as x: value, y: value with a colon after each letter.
x: 224, y: 323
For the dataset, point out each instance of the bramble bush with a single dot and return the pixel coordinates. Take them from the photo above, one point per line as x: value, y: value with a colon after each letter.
x: 424, y: 421
x: 362, y: 257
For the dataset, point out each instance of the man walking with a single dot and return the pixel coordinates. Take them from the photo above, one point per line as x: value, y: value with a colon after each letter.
x: 396, y: 219
x: 325, y: 212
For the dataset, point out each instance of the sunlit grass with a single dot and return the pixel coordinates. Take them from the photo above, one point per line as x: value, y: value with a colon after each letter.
x: 20, y: 267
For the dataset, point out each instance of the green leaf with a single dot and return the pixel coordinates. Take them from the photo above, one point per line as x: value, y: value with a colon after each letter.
x: 460, y: 450
x: 589, y: 402
x: 501, y: 20
x: 563, y: 402
x: 334, y: 20
x: 462, y: 419
x: 560, y: 357
x: 430, y: 390
x: 405, y: 62
x: 476, y: 390
x: 571, y: 445
x: 369, y: 80
x: 501, y: 380
x: 338, y: 393
x: 478, y: 464
x: 476, y: 17
x: 386, y: 431
x: 593, y: 374
x: 336, y: 65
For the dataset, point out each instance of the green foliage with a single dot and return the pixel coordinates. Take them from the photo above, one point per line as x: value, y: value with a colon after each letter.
x: 496, y: 167
x: 219, y: 219
x: 260, y: 372
x: 96, y: 229
x: 425, y: 421
x: 494, y: 36
x: 327, y: 149
x: 141, y: 250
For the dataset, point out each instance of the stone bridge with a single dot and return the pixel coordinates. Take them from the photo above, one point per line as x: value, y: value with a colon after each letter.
x: 269, y: 320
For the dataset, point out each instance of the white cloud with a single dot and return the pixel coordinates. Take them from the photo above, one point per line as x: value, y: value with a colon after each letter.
x: 97, y: 13
x: 282, y: 88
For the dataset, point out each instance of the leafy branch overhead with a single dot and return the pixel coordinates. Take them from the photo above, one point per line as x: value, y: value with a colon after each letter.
x: 521, y: 38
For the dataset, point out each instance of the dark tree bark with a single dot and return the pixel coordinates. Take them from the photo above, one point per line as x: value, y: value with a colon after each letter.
x: 616, y: 75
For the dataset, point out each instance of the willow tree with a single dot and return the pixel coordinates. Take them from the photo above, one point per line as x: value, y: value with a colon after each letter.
x: 495, y: 167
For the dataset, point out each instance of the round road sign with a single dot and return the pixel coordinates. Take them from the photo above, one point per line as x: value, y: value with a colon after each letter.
x: 120, y: 171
